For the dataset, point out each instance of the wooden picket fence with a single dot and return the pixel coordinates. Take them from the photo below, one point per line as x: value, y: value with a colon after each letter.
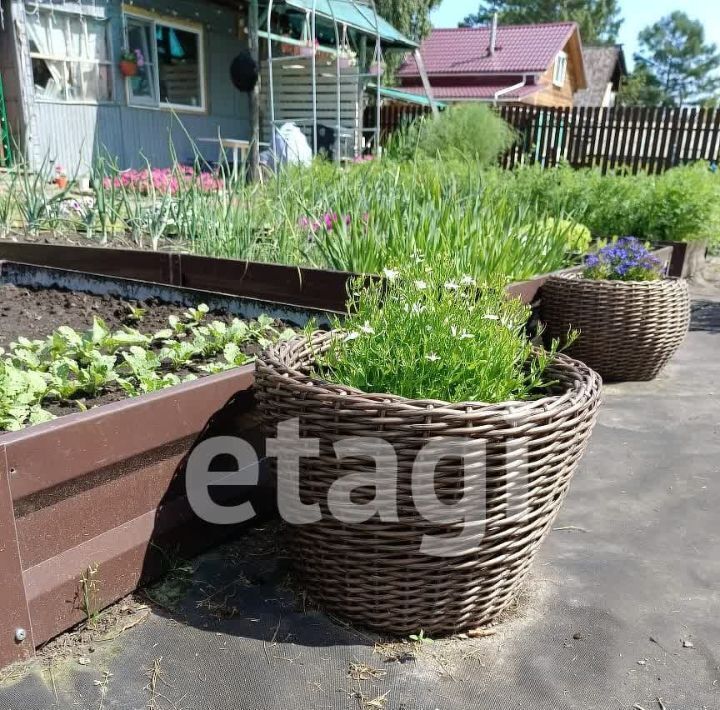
x: 630, y: 138
x: 633, y: 138
x: 393, y: 116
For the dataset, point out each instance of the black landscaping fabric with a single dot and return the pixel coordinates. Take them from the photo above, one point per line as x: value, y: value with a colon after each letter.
x: 622, y: 610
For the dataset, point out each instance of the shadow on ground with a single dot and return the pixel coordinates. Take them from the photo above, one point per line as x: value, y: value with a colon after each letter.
x: 245, y: 588
x: 705, y: 316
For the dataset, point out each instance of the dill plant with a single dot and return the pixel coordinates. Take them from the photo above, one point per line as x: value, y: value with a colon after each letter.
x: 426, y: 334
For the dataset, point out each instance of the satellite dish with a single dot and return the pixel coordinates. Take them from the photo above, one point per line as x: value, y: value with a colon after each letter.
x: 244, y: 72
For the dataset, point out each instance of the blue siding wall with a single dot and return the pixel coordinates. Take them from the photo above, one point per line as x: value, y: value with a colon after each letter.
x: 70, y: 134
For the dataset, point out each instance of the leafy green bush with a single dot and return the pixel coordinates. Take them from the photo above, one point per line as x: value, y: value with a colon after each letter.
x: 681, y: 204
x: 426, y: 333
x: 471, y: 131
x: 685, y: 205
x: 606, y: 205
x: 578, y: 236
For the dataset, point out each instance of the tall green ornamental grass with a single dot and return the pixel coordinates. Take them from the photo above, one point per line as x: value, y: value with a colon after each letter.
x: 427, y: 333
x: 469, y: 130
x: 370, y: 216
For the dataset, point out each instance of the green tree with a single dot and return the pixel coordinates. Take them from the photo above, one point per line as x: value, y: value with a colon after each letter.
x: 599, y: 20
x: 674, y: 53
x: 642, y: 88
x: 411, y: 17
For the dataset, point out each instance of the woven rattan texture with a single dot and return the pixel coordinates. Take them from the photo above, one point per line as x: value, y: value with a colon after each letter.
x: 629, y: 330
x: 373, y: 573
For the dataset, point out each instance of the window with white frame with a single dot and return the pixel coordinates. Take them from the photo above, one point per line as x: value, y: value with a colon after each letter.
x: 560, y: 69
x: 171, y: 63
x: 70, y: 55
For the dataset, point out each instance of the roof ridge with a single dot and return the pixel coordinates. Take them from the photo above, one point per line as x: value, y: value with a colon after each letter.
x: 559, y: 23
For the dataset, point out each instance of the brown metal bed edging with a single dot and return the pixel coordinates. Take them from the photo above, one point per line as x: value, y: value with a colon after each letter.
x: 297, y: 286
x: 52, y: 487
x: 169, y: 414
x: 16, y: 636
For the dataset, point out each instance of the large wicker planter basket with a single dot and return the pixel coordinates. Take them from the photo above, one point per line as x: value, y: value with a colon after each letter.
x: 373, y: 573
x: 629, y: 330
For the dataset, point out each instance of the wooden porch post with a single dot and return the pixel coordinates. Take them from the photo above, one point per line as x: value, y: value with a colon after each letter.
x: 254, y: 46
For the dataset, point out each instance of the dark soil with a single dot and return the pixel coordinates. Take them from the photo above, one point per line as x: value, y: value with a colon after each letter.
x: 36, y: 313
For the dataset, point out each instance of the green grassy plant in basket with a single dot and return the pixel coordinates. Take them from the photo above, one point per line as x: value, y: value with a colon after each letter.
x: 427, y: 333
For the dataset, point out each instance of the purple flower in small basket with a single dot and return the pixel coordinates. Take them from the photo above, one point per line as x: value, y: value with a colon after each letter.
x: 627, y: 259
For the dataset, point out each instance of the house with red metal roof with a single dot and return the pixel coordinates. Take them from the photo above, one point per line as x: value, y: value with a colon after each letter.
x: 538, y: 65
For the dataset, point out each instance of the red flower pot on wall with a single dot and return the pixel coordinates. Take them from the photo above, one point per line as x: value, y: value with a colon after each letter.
x: 128, y: 68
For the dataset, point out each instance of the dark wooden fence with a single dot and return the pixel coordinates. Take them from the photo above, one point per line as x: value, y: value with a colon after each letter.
x: 636, y: 138
x: 394, y: 116
x: 632, y: 138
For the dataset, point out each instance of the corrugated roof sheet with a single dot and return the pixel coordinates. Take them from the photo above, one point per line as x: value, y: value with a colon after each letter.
x: 409, y: 96
x: 518, y: 49
x: 358, y: 15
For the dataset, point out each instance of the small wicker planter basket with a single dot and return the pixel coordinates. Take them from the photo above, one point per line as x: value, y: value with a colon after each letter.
x: 373, y: 573
x: 629, y: 330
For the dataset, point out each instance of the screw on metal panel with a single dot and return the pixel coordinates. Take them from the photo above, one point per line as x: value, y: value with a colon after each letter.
x: 20, y: 635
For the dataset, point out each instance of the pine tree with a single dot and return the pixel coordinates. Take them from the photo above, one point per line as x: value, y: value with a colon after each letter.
x: 673, y: 53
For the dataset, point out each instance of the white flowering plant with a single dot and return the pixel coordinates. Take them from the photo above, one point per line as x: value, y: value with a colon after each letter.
x: 426, y: 333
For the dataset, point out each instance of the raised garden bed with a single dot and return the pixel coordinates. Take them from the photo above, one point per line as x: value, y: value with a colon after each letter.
x: 104, y: 489
x: 93, y: 503
x: 73, y: 351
